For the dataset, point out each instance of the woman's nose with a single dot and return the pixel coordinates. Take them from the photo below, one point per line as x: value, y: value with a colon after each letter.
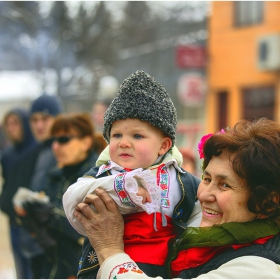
x: 55, y: 145
x: 206, y: 193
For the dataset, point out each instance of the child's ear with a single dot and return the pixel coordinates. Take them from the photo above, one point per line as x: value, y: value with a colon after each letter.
x: 166, y: 145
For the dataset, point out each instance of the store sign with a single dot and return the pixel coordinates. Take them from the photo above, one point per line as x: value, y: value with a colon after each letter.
x: 192, y: 56
x: 192, y: 89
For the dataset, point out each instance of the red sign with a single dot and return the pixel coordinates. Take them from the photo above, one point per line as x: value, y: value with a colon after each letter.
x: 192, y: 56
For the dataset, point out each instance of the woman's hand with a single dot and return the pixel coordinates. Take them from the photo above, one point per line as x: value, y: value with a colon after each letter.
x: 20, y: 211
x: 104, y: 227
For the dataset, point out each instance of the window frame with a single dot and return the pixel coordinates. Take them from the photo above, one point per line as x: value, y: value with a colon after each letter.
x: 248, y: 13
x: 258, y: 102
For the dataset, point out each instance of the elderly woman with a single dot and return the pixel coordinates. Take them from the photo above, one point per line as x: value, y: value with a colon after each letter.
x: 239, y: 195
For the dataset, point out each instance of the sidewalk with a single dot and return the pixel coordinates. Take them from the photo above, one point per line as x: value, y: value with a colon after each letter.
x: 6, y: 258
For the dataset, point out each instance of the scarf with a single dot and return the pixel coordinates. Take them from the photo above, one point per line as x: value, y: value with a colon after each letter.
x: 202, y: 243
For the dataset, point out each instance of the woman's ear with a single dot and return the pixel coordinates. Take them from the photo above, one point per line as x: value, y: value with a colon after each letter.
x: 87, y: 143
x: 274, y: 197
x: 166, y: 145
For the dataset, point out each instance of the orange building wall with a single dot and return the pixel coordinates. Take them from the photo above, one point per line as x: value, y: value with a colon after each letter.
x: 232, y: 54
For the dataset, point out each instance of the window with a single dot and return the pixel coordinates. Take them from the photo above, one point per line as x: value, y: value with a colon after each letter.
x: 258, y: 102
x: 222, y: 109
x: 248, y: 12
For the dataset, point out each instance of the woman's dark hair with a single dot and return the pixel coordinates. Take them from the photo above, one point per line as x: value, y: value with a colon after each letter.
x: 82, y: 124
x: 254, y: 150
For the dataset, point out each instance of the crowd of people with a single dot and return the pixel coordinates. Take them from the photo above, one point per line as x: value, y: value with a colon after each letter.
x: 49, y: 149
x: 113, y: 197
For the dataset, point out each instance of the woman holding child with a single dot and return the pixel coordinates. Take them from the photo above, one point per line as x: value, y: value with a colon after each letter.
x: 239, y: 196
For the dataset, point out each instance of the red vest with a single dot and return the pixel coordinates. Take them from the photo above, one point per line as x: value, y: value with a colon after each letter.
x: 142, y: 242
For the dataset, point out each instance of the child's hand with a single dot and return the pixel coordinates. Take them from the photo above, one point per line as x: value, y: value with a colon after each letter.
x: 145, y: 195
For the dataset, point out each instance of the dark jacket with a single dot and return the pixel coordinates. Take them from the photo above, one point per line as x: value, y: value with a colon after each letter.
x: 88, y: 267
x: 10, y: 160
x: 63, y: 257
x: 270, y: 250
x: 24, y: 171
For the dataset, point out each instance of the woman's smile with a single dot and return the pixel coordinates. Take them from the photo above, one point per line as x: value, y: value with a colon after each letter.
x: 210, y: 212
x: 223, y: 195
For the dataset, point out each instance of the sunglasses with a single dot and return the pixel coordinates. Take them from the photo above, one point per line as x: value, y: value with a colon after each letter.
x: 63, y: 139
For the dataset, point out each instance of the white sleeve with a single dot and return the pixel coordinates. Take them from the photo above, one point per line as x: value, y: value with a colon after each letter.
x: 76, y: 193
x: 250, y: 267
x: 121, y: 266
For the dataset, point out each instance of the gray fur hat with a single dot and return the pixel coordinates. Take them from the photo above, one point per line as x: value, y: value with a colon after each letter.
x: 141, y: 97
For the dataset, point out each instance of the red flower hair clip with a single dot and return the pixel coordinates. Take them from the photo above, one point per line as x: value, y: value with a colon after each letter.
x: 202, y: 143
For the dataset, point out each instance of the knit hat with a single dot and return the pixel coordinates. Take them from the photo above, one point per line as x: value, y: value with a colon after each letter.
x: 47, y: 104
x: 141, y: 97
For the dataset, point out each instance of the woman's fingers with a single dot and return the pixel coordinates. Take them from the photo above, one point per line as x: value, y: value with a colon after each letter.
x: 85, y: 215
x: 102, y: 202
x: 80, y: 213
x: 106, y: 211
x: 104, y: 225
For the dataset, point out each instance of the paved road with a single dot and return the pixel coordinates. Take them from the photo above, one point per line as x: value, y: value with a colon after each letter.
x: 6, y: 258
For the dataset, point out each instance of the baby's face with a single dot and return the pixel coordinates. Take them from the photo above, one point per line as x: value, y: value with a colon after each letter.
x: 135, y: 143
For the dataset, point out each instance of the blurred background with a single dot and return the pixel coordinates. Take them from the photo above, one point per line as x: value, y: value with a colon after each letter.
x: 219, y: 60
x: 83, y: 50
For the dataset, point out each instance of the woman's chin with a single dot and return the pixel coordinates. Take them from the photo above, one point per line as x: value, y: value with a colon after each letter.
x: 207, y: 223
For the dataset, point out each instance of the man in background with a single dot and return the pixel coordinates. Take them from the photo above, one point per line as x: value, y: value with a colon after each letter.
x: 42, y: 114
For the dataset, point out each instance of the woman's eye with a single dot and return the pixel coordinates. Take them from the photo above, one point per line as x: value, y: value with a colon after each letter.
x: 138, y: 136
x: 206, y: 179
x: 225, y: 185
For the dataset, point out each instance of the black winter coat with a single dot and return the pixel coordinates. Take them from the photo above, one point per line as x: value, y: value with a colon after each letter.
x: 63, y: 257
x: 11, y: 159
x: 22, y: 174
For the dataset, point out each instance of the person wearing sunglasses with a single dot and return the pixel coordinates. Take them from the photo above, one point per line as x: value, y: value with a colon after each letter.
x: 76, y: 147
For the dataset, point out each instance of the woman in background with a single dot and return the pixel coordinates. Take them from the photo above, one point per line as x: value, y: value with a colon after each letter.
x: 16, y: 126
x: 76, y: 148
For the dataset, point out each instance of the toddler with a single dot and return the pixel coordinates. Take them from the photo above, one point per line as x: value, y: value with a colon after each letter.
x: 141, y: 170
